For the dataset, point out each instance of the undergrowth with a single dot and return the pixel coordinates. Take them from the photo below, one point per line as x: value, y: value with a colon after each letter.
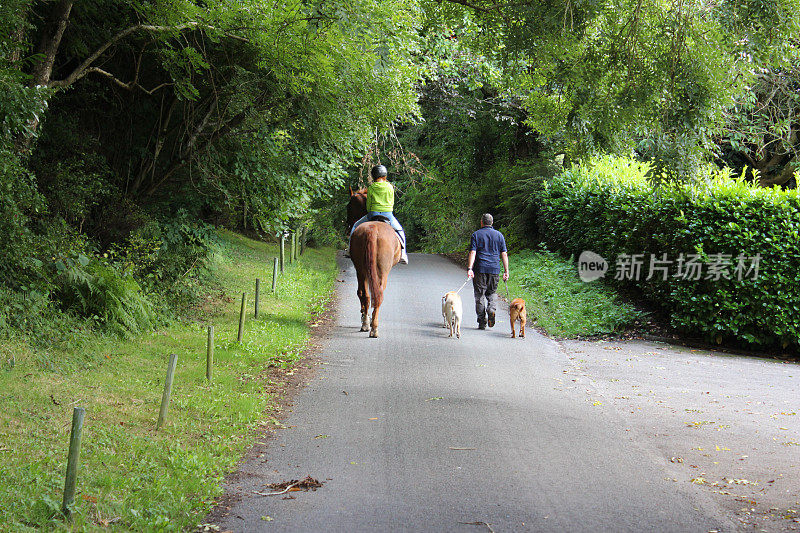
x: 560, y: 303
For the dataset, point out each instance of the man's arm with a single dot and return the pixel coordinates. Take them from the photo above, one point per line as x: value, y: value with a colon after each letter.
x: 504, y: 257
x: 470, y: 262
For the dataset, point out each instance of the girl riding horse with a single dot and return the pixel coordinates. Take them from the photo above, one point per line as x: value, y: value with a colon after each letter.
x: 380, y: 203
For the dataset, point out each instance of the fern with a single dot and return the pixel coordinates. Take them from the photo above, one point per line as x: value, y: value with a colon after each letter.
x: 98, y: 291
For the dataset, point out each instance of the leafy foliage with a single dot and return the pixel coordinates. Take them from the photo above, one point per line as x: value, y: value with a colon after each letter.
x: 123, y: 125
x: 627, y: 75
x: 611, y: 208
x: 97, y: 291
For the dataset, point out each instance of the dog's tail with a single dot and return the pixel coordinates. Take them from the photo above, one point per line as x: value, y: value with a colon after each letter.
x: 516, y: 305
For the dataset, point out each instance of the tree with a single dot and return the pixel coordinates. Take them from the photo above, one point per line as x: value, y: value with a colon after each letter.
x: 629, y: 74
x: 762, y: 126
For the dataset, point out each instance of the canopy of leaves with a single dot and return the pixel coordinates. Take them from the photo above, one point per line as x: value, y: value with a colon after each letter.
x: 115, y: 115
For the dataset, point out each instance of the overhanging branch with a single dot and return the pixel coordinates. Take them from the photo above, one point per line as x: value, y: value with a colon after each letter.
x: 84, y: 68
x: 129, y: 86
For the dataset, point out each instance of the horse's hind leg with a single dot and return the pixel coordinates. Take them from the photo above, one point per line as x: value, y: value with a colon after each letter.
x: 363, y: 296
x: 377, y: 300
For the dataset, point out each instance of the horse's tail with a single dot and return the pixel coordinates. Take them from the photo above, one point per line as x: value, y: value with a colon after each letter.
x: 371, y: 265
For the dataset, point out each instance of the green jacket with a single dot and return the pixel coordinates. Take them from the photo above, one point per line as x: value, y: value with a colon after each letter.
x: 380, y: 197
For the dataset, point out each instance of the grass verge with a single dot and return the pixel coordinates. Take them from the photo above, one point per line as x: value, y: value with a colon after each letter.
x: 560, y: 303
x: 132, y: 477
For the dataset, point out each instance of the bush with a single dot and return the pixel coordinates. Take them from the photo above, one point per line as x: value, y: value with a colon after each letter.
x: 610, y: 208
x: 99, y: 292
x: 167, y: 257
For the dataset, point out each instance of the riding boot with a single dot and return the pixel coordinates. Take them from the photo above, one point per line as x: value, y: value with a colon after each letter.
x: 403, y: 254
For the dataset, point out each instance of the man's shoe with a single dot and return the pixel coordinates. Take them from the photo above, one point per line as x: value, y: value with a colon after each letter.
x: 481, y: 326
x: 490, y: 321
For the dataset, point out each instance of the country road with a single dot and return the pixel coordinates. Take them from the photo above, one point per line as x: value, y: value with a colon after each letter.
x: 415, y: 431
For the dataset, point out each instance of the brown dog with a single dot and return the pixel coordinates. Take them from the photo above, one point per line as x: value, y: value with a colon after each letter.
x: 517, y: 311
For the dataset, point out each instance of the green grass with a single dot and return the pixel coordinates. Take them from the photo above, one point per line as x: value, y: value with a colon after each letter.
x: 562, y: 304
x: 131, y: 477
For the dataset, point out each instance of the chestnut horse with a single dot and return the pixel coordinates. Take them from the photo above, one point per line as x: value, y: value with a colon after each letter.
x: 374, y: 250
x: 356, y: 207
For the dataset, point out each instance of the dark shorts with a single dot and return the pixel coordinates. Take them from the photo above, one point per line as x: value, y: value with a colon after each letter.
x: 484, y: 286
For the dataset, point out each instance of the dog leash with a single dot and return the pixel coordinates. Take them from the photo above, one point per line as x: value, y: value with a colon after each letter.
x: 507, y: 296
x: 462, y: 286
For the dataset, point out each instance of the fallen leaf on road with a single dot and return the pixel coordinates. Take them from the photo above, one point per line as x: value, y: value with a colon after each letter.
x: 309, y: 483
x: 479, y: 524
x: 435, y: 399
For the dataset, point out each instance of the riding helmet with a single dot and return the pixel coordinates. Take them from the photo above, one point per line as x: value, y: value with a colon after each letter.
x: 378, y: 171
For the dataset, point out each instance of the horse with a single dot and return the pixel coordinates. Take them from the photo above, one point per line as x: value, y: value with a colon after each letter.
x: 356, y: 207
x: 374, y: 250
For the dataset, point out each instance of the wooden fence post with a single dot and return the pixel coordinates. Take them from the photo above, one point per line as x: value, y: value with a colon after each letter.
x: 162, y: 413
x: 241, y: 318
x: 302, y: 240
x: 255, y: 304
x: 73, y: 458
x: 283, y: 250
x: 210, y: 353
x: 274, y: 275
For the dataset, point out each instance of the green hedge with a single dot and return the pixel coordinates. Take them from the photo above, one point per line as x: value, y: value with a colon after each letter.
x: 610, y: 207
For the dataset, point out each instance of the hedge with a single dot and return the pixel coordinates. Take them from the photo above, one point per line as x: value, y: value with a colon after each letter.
x: 611, y: 208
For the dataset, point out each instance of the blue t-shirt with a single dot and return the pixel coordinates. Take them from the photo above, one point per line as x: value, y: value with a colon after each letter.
x: 488, y: 244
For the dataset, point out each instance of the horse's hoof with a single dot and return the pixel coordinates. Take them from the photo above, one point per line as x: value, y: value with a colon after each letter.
x: 364, y: 328
x: 373, y: 334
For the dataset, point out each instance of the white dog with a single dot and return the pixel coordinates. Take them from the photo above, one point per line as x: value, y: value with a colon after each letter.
x: 451, y: 312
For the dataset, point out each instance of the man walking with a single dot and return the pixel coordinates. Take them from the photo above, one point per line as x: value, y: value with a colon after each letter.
x: 486, y: 248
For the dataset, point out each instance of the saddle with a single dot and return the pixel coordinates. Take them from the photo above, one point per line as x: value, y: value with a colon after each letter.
x: 379, y: 218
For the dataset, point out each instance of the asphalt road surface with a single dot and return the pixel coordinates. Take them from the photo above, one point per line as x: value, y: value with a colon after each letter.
x: 415, y: 431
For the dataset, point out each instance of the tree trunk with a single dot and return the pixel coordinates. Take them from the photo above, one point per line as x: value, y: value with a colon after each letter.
x: 18, y: 37
x: 161, y: 136
x: 781, y: 178
x: 51, y: 40
x: 48, y: 48
x: 185, y: 154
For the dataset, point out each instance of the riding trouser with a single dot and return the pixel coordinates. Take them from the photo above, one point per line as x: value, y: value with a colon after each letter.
x: 389, y: 216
